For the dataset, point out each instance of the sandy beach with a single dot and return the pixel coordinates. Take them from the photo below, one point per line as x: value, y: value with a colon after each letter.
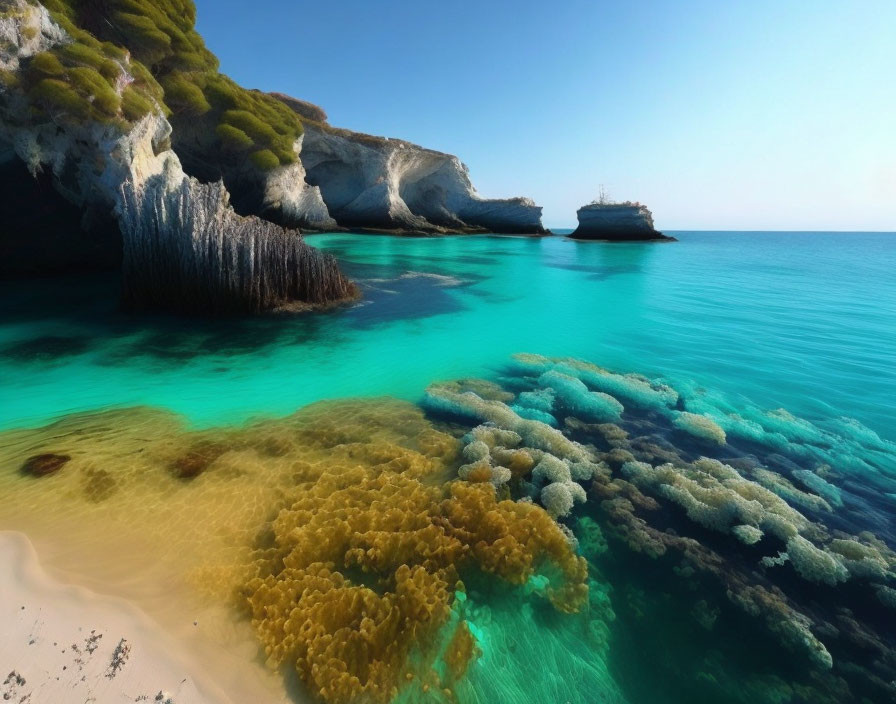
x: 64, y: 644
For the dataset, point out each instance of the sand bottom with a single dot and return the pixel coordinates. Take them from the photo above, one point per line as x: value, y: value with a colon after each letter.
x: 65, y: 643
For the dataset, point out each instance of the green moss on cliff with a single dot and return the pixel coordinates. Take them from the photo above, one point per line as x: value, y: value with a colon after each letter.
x: 155, y: 43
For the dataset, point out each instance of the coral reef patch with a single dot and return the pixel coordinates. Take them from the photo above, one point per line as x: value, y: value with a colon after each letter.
x: 645, y: 542
x: 756, y: 510
x: 341, y: 533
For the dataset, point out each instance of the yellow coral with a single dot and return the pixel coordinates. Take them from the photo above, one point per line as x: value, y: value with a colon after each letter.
x: 365, y: 566
x: 342, y: 528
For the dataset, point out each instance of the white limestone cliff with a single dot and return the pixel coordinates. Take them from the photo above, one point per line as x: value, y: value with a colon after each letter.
x: 292, y: 201
x: 184, y: 247
x: 390, y: 184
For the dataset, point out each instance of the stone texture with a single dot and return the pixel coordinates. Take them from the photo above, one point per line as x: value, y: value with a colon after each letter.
x: 184, y: 247
x: 616, y: 222
x: 389, y: 184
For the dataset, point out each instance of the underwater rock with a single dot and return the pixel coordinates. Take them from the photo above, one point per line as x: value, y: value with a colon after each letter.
x: 196, y: 460
x: 44, y: 464
x: 617, y: 222
x: 98, y: 484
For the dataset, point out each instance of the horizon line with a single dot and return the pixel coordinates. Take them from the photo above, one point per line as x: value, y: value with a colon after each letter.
x: 869, y: 232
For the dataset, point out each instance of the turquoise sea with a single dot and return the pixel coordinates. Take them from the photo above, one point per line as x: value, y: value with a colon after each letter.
x: 800, y: 320
x: 727, y: 473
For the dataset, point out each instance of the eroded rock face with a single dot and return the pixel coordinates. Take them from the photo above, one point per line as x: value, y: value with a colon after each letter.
x: 616, y: 222
x: 26, y: 30
x: 185, y: 249
x: 345, y: 179
x: 389, y: 184
x: 281, y: 195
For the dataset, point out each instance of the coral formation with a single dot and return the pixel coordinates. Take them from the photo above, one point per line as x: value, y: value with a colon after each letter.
x: 700, y: 426
x: 341, y: 530
x: 365, y: 564
x: 384, y: 555
x: 741, y: 499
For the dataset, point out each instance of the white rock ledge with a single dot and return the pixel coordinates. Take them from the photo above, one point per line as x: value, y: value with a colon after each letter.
x: 375, y: 183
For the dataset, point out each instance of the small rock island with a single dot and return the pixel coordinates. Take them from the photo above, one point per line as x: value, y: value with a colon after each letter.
x: 617, y: 222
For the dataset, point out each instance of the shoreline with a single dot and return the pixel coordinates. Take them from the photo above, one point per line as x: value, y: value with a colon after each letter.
x: 62, y: 641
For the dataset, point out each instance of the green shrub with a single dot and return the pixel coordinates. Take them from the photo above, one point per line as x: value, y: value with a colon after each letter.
x: 92, y: 85
x: 58, y: 97
x: 146, y: 81
x: 157, y: 43
x: 264, y: 159
x: 78, y: 54
x: 145, y: 39
x: 259, y: 131
x: 8, y: 79
x: 182, y: 95
x: 46, y: 64
x: 286, y: 156
x: 134, y: 104
x: 233, y: 138
x: 114, y: 52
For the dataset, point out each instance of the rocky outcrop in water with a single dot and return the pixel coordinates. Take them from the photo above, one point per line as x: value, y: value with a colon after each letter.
x: 184, y: 247
x: 186, y: 250
x: 616, y: 222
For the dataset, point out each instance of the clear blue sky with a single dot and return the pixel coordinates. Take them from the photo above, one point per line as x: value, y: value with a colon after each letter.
x: 719, y: 114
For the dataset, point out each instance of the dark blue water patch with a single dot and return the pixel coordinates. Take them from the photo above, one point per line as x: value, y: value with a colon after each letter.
x: 63, y: 297
x: 493, y: 297
x: 46, y: 349
x: 86, y: 309
x: 175, y: 341
x: 408, y: 297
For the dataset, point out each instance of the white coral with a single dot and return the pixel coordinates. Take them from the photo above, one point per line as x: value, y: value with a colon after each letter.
x: 748, y: 535
x: 591, y: 405
x: 558, y: 498
x: 551, y: 470
x: 700, y: 426
x: 815, y: 564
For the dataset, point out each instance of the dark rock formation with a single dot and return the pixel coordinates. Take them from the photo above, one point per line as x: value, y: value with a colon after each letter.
x: 45, y: 464
x: 41, y: 232
x: 187, y: 250
x: 617, y: 222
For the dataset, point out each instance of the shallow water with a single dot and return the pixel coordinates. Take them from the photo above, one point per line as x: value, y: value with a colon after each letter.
x: 804, y: 321
x: 680, y: 606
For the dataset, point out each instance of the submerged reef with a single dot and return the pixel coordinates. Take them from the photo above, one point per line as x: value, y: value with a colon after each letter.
x: 341, y: 533
x: 641, y: 541
x: 758, y: 510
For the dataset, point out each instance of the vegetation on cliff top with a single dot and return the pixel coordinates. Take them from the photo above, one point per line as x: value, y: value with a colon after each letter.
x: 130, y: 55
